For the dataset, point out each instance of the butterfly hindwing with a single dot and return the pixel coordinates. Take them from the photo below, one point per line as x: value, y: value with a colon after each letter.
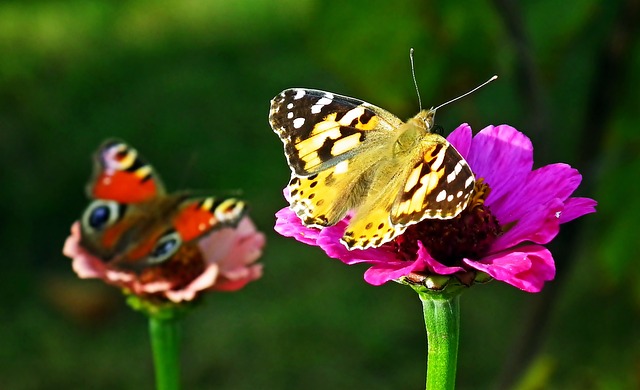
x: 438, y: 185
x: 197, y: 217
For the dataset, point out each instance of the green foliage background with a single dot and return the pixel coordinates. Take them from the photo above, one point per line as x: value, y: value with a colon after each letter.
x: 188, y: 83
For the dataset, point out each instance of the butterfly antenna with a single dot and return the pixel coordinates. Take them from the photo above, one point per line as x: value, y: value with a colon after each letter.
x: 468, y: 93
x: 413, y: 75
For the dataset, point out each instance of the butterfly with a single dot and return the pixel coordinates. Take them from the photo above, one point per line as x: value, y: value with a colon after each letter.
x: 349, y: 155
x: 133, y: 224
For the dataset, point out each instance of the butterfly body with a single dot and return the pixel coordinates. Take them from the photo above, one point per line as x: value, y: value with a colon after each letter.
x: 132, y: 224
x: 348, y: 155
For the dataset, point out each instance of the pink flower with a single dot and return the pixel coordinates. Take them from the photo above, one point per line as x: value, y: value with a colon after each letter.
x: 229, y: 256
x: 515, y: 211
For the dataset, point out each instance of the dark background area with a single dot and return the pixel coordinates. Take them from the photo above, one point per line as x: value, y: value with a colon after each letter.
x: 188, y: 84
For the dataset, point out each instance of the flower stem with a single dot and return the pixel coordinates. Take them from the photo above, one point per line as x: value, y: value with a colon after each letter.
x: 164, y: 333
x: 442, y: 319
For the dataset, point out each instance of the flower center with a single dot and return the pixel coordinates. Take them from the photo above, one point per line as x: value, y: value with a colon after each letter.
x: 469, y: 235
x: 183, y: 267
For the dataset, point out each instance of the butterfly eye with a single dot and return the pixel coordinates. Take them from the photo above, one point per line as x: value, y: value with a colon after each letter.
x: 166, y: 247
x: 101, y: 214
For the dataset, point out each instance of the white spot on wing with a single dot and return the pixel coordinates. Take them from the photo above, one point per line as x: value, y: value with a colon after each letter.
x: 469, y: 181
x: 458, y: 168
x: 298, y: 122
x: 289, y: 115
x: 289, y: 106
x: 441, y: 196
x: 351, y: 115
x: 459, y: 194
x: 316, y: 108
x: 324, y: 101
x: 299, y: 94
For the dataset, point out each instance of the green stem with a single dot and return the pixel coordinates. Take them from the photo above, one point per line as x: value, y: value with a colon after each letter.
x: 442, y: 319
x: 165, y: 344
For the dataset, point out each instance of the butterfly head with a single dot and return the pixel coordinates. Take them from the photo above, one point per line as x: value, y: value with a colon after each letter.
x: 425, y: 119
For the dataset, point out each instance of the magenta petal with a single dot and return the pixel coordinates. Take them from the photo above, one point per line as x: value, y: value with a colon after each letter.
x: 555, y: 181
x: 461, y: 138
x: 577, y: 207
x: 433, y: 265
x: 395, y: 269
x: 503, y: 156
x: 329, y: 241
x: 289, y: 225
x: 384, y: 272
x: 539, y: 226
x: 526, y: 268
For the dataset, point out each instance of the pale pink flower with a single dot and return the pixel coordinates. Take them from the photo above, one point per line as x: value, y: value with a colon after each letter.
x: 229, y: 256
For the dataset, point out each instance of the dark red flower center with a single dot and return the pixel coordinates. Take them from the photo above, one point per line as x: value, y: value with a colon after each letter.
x: 183, y: 267
x: 469, y: 235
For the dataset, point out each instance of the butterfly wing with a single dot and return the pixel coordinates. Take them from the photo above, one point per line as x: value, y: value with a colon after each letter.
x: 187, y: 220
x: 198, y: 217
x: 322, y: 132
x: 346, y: 154
x: 438, y: 185
x: 132, y: 224
x: 321, y: 129
x: 122, y: 175
x: 153, y: 232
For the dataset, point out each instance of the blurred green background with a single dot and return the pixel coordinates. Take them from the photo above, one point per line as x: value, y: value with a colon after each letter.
x: 188, y: 83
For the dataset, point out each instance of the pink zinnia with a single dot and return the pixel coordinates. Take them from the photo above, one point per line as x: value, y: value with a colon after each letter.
x: 229, y: 263
x: 514, y: 212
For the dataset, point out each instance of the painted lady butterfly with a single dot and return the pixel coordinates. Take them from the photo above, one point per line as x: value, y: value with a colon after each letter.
x: 346, y: 154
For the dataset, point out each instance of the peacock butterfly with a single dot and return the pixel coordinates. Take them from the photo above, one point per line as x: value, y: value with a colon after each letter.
x: 132, y: 224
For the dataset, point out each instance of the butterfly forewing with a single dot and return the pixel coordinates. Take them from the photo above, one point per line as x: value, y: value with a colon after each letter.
x: 122, y: 175
x: 320, y: 129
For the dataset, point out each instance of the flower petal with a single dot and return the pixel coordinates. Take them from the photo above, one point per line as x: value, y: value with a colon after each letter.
x: 554, y: 181
x: 232, y: 248
x: 87, y: 266
x: 202, y: 282
x: 229, y: 254
x: 236, y: 264
x: 434, y: 265
x: 289, y: 225
x: 238, y: 281
x: 329, y: 241
x: 383, y: 272
x: 461, y: 138
x: 503, y: 156
x: 539, y: 225
x: 526, y: 268
x: 577, y: 207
